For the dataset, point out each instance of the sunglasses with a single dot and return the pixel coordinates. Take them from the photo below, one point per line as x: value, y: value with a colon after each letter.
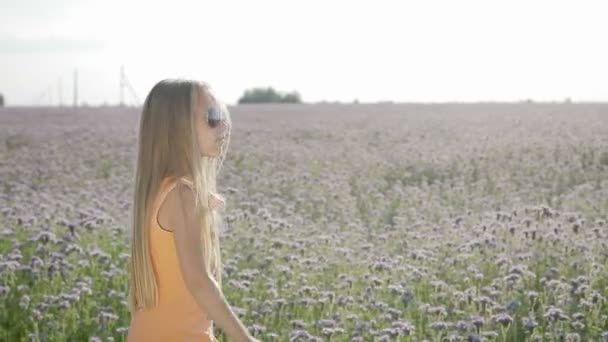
x: 215, y: 115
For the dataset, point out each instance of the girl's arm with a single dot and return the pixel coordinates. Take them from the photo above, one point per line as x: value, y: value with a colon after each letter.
x: 185, y: 223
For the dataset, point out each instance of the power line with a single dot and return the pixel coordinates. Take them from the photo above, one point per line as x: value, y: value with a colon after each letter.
x: 46, y: 96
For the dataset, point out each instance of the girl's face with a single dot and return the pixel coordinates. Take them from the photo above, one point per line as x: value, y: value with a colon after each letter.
x: 210, y: 139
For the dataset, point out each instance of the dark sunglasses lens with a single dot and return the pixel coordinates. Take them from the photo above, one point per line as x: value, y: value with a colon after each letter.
x: 214, y: 116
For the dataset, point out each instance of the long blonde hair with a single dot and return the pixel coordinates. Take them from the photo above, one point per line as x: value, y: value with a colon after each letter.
x: 168, y: 146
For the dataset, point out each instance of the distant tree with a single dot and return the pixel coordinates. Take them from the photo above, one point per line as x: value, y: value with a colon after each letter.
x: 292, y: 97
x: 269, y: 95
x: 1, y: 100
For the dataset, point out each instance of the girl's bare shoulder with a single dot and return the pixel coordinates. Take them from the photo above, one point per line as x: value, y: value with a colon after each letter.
x: 178, y: 204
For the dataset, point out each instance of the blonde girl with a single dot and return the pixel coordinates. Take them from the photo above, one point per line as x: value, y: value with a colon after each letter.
x: 175, y: 291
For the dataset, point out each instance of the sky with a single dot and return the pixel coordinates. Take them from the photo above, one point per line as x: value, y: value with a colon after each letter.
x: 402, y: 51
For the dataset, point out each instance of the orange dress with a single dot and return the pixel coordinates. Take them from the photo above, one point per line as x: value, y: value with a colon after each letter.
x: 177, y: 316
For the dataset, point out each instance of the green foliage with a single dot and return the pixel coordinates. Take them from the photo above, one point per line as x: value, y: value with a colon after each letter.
x: 269, y: 95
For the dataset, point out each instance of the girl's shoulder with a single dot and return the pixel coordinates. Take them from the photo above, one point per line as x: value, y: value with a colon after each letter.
x: 171, y: 181
x: 216, y: 201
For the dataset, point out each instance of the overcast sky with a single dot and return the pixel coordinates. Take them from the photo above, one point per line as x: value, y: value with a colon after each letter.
x: 327, y: 50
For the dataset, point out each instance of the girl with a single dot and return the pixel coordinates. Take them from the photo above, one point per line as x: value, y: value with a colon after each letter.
x: 175, y: 291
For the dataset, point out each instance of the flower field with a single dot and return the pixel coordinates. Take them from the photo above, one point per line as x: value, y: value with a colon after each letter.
x: 352, y: 222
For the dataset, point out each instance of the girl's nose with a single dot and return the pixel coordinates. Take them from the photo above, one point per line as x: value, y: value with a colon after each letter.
x: 224, y: 126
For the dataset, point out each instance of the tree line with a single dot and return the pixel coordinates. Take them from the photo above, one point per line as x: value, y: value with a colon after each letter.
x: 269, y: 95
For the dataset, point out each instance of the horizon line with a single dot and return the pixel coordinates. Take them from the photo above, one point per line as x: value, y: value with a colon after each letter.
x: 326, y: 102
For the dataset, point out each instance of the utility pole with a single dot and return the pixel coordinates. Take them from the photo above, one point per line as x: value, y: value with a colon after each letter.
x: 75, y: 88
x: 59, y: 93
x: 124, y: 83
x: 122, y: 86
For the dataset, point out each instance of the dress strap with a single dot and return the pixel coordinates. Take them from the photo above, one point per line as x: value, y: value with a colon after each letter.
x: 166, y: 185
x: 215, y: 201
